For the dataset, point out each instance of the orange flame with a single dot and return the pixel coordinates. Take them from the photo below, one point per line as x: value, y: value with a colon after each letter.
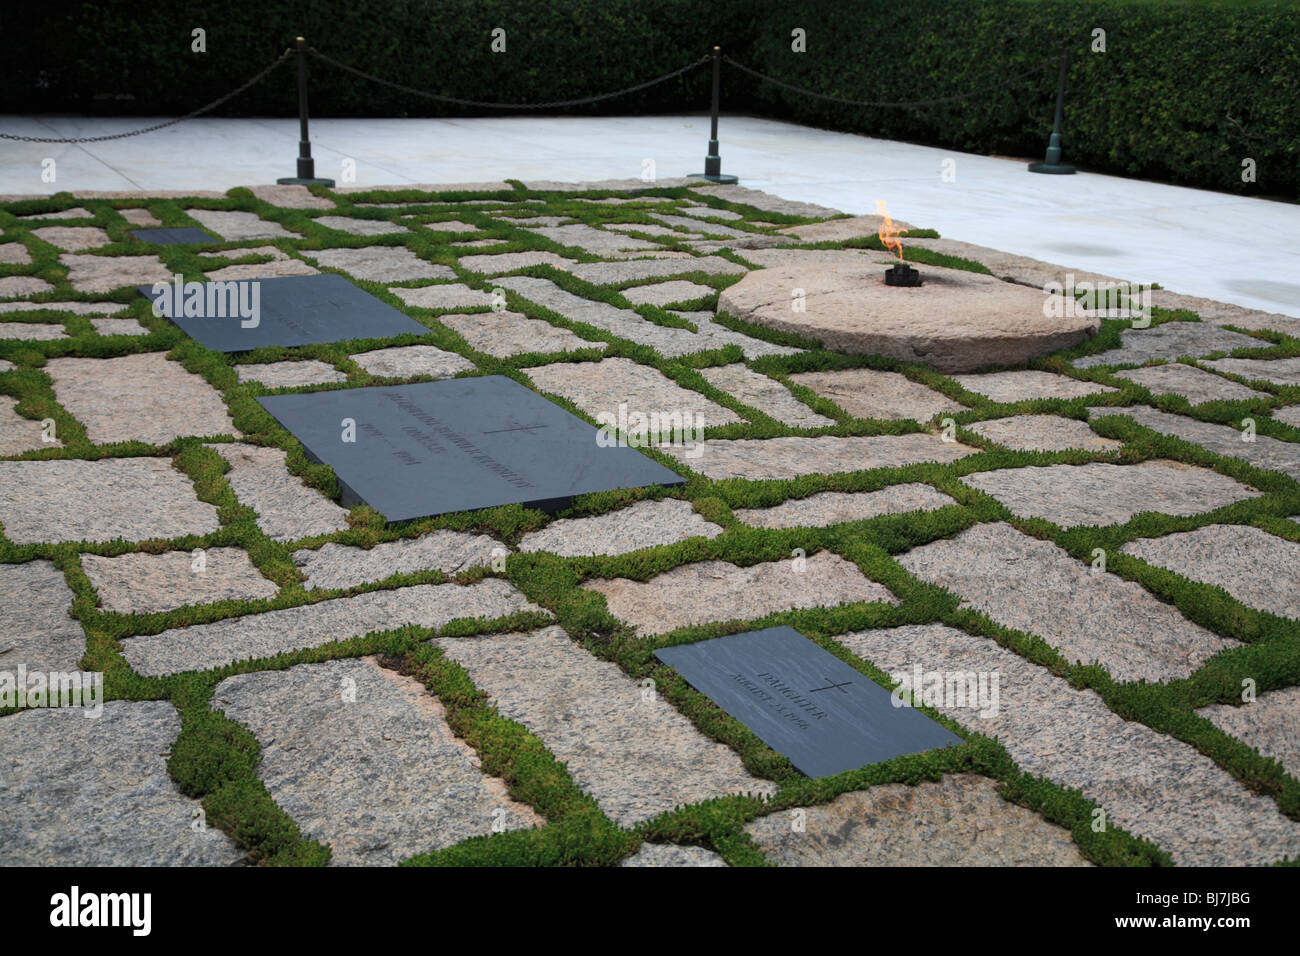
x: 889, y: 232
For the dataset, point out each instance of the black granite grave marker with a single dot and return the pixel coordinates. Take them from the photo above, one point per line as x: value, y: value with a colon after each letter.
x: 174, y: 237
x: 292, y: 310
x: 803, y: 701
x: 457, y: 445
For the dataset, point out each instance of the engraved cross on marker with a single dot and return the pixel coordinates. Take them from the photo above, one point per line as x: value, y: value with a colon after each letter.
x: 831, y: 685
x: 515, y: 427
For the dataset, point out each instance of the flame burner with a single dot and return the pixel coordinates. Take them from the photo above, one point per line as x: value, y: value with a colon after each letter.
x: 902, y: 275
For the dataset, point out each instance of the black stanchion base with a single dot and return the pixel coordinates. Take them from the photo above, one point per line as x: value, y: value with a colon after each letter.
x: 1059, y: 169
x: 295, y: 181
x: 713, y: 179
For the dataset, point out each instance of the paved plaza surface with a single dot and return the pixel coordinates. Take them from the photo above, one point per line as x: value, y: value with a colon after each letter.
x: 1085, y: 565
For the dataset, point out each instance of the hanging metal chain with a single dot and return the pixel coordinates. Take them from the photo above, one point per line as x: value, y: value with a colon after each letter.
x: 505, y: 106
x: 149, y: 129
x: 904, y: 103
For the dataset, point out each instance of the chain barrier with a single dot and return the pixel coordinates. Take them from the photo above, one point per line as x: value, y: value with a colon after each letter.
x: 149, y: 129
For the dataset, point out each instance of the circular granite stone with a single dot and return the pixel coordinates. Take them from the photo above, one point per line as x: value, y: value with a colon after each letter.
x: 957, y: 321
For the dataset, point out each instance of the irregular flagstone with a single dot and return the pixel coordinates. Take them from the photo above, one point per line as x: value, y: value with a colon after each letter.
x: 238, y: 226
x: 767, y: 202
x: 135, y: 499
x: 1034, y: 586
x: 833, y: 507
x: 1149, y: 783
x: 360, y: 227
x: 705, y: 228
x: 712, y: 591
x: 143, y: 583
x: 709, y: 212
x: 591, y: 239
x: 1100, y: 493
x: 1278, y: 371
x: 1007, y: 387
x: 808, y: 258
x: 140, y: 217
x: 141, y: 397
x: 76, y: 212
x: 291, y: 196
x: 7, y: 366
x: 1193, y: 384
x: 1262, y: 452
x: 636, y: 757
x: 1043, y: 433
x: 601, y: 387
x: 455, y: 225
x: 711, y: 335
x: 766, y: 394
x: 1224, y: 313
x: 959, y: 820
x: 290, y: 374
x: 870, y: 393
x: 509, y: 261
x: 255, y: 636
x: 480, y: 243
x: 1170, y: 341
x: 286, y: 508
x: 404, y: 361
x: 526, y: 219
x: 14, y: 254
x: 764, y: 459
x: 363, y: 760
x: 80, y: 308
x: 91, y: 273
x: 615, y: 273
x: 19, y: 434
x: 1288, y: 416
x: 279, y: 266
x: 344, y: 566
x: 73, y: 238
x: 118, y: 327
x: 1259, y: 569
x: 451, y: 295
x: 14, y: 286
x: 1271, y: 724
x: 669, y: 854
x: 646, y: 524
x: 503, y: 334
x: 39, y: 631
x: 381, y: 263
x: 642, y: 228
x: 33, y: 331
x: 98, y: 791
x: 666, y: 293
x: 1022, y: 270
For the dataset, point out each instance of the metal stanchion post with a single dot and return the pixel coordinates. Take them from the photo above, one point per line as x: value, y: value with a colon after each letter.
x: 306, y: 165
x: 713, y: 161
x: 1052, y: 161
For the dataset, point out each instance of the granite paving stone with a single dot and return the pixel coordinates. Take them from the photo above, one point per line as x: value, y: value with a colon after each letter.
x: 79, y: 308
x: 669, y: 854
x: 76, y: 212
x: 381, y: 263
x: 616, y: 273
x: 238, y: 226
x: 33, y: 331
x: 709, y: 212
x: 636, y: 757
x: 666, y: 293
x: 336, y: 565
x: 1270, y: 724
x: 405, y: 361
x: 143, y: 583
x: 764, y: 393
x: 1022, y: 386
x: 712, y: 335
x: 291, y: 196
x: 73, y: 238
x: 1042, y: 433
x: 1264, y: 452
x: 1100, y: 493
x: 591, y: 239
x: 449, y: 295
x: 1288, y: 416
x: 205, y: 646
x: 363, y: 760
x: 833, y: 507
x: 1089, y: 616
x: 1193, y: 384
x: 286, y: 508
x: 19, y: 434
x: 140, y: 217
x: 509, y: 261
x: 14, y: 254
x: 98, y: 791
x: 1170, y: 341
x: 959, y: 820
x: 766, y: 201
x: 119, y: 327
x: 646, y: 524
x: 1278, y: 371
x: 135, y: 499
x: 39, y: 630
x: 92, y: 273
x: 503, y: 334
x: 290, y: 374
x: 141, y: 397
x: 601, y: 387
x: 1149, y: 783
x: 710, y: 591
x: 12, y: 287
x: 763, y: 459
x: 360, y: 227
x: 870, y: 393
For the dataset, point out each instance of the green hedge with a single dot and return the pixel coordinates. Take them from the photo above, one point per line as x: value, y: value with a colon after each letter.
x: 1184, y: 92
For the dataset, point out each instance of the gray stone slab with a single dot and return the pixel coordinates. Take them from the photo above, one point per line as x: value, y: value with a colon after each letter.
x: 135, y: 499
x: 459, y: 445
x: 1288, y: 416
x: 118, y: 327
x: 76, y: 212
x: 173, y: 237
x: 344, y: 566
x: 590, y: 239
x: 291, y: 196
x: 39, y: 630
x: 631, y: 751
x: 363, y: 760
x: 449, y: 295
x: 766, y: 394
x: 1270, y: 724
x: 770, y: 680
x: 959, y: 820
x: 290, y: 374
x: 254, y: 636
x: 871, y: 393
x: 1028, y: 384
x: 73, y: 238
x: 503, y: 334
x: 615, y: 273
x: 1149, y: 783
x: 141, y: 397
x: 143, y: 583
x: 600, y: 388
x: 12, y: 287
x: 706, y: 228
x: 78, y: 308
x: 765, y: 459
x: 834, y: 507
x: 286, y: 508
x: 238, y: 226
x: 666, y: 293
x: 669, y: 854
x: 279, y: 266
x: 381, y: 263
x: 33, y: 331
x: 405, y: 361
x: 292, y: 311
x: 14, y: 254
x: 645, y: 524
x: 1089, y: 616
x: 1193, y: 384
x: 709, y: 212
x: 1259, y: 569
x: 139, y: 217
x: 1042, y: 433
x: 1263, y: 452
x: 1100, y: 493
x: 19, y: 434
x: 509, y: 261
x: 766, y: 201
x: 710, y: 591
x: 360, y: 227
x: 1278, y: 371
x: 97, y: 792
x: 1170, y: 341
